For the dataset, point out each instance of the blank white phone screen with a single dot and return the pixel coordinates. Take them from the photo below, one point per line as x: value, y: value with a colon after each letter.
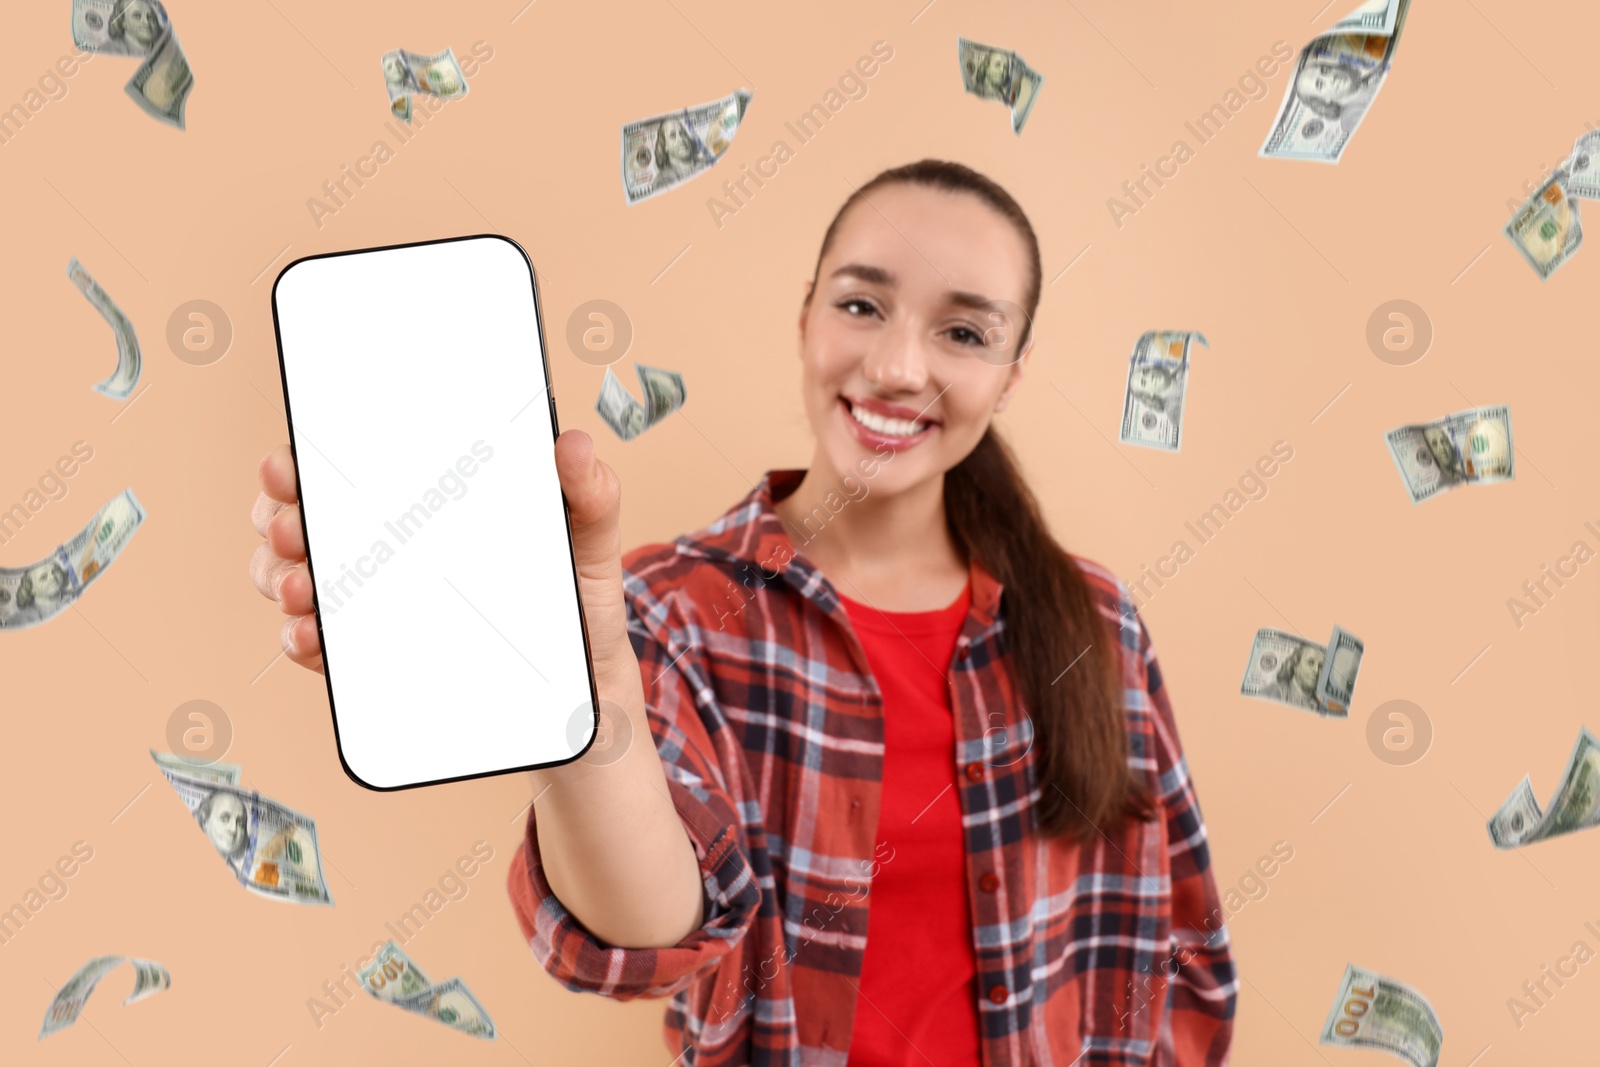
x: 423, y: 433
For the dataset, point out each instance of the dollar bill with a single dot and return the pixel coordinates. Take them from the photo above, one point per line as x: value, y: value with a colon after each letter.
x: 1287, y: 669
x: 211, y: 772
x: 392, y: 977
x: 1576, y: 805
x: 36, y: 594
x: 271, y: 849
x: 149, y: 978
x: 118, y: 27
x: 664, y: 151
x: 1371, y: 1011
x: 129, y: 359
x: 1337, y: 682
x: 162, y: 83
x: 1158, y: 380
x: 1336, y: 77
x: 1470, y: 447
x: 1547, y: 229
x: 664, y: 393
x: 408, y: 73
x: 1583, y: 167
x: 999, y: 74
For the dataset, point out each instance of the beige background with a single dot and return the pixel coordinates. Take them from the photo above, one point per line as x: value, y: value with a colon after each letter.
x: 1279, y: 263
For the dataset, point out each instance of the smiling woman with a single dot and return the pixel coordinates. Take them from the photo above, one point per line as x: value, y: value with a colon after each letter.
x: 934, y: 680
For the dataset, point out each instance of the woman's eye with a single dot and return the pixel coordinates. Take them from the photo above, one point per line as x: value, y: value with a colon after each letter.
x: 965, y: 335
x: 857, y: 307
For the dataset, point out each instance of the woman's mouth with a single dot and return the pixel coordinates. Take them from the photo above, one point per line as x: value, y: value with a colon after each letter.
x: 876, y: 429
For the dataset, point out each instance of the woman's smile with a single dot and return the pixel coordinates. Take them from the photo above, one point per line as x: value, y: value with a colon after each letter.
x: 877, y: 423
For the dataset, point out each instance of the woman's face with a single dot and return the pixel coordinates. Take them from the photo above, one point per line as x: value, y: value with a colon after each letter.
x: 1327, y: 81
x: 679, y: 148
x: 1306, y: 671
x: 892, y: 340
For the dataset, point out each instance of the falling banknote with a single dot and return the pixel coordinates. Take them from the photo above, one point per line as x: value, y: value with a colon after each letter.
x: 394, y: 979
x: 1372, y: 1011
x: 1158, y: 380
x: 408, y: 73
x: 1583, y: 167
x: 999, y: 74
x: 1547, y: 228
x: 1470, y: 447
x: 149, y: 978
x: 1287, y: 669
x: 664, y: 151
x: 663, y: 394
x: 271, y: 849
x: 163, y: 81
x: 129, y: 361
x: 1336, y: 77
x: 1576, y: 805
x: 36, y: 594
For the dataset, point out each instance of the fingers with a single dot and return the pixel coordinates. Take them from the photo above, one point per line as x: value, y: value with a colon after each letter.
x: 277, y: 475
x: 287, y: 582
x: 301, y: 643
x: 594, y: 501
x: 285, y: 534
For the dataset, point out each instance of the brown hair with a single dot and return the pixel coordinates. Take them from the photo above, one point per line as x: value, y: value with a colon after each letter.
x: 1052, y: 618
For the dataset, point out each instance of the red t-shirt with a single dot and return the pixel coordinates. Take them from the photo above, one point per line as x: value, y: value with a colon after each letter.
x: 918, y: 987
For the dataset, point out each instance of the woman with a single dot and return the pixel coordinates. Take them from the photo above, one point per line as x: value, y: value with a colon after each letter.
x: 870, y: 734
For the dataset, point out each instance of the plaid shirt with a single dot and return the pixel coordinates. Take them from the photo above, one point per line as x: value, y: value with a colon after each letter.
x: 770, y: 728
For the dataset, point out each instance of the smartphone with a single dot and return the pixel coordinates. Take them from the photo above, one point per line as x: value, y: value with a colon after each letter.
x: 422, y: 424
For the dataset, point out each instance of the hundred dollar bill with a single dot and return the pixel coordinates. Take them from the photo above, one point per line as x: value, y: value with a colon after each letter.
x: 1467, y: 448
x: 271, y: 849
x: 129, y: 360
x: 1547, y: 229
x: 118, y: 27
x: 1583, y: 167
x: 664, y: 393
x: 1576, y: 805
x: 999, y: 74
x: 1336, y: 684
x: 664, y: 151
x: 163, y: 81
x: 149, y: 978
x: 408, y: 73
x: 211, y: 772
x: 1336, y: 78
x: 1285, y: 669
x: 1372, y: 1011
x: 36, y: 594
x: 1158, y: 380
x: 392, y: 977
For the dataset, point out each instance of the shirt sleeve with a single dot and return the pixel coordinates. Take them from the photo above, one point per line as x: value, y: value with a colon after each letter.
x: 700, y: 757
x: 1197, y: 1027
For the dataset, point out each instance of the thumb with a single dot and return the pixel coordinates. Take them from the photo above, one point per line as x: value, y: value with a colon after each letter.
x: 594, y: 504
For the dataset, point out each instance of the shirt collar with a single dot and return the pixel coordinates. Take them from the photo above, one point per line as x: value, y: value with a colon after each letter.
x: 752, y: 534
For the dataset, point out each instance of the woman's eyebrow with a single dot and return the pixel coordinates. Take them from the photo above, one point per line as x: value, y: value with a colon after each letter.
x: 874, y: 275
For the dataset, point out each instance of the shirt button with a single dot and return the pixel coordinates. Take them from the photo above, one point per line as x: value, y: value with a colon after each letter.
x: 966, y: 650
x: 998, y: 994
x: 974, y: 772
x: 989, y: 882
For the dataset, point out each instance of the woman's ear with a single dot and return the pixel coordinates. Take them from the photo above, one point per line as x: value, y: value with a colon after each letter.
x: 1016, y: 377
x: 805, y: 308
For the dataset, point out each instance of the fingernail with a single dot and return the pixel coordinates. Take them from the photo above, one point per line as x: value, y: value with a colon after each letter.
x: 287, y: 636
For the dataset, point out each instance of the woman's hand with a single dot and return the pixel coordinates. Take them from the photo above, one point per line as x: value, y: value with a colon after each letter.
x: 594, y: 500
x: 279, y: 565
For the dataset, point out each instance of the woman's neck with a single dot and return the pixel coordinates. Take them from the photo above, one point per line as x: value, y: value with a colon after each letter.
x: 892, y: 552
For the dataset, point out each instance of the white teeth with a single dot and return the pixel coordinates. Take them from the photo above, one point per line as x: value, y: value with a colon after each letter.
x: 880, y: 424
